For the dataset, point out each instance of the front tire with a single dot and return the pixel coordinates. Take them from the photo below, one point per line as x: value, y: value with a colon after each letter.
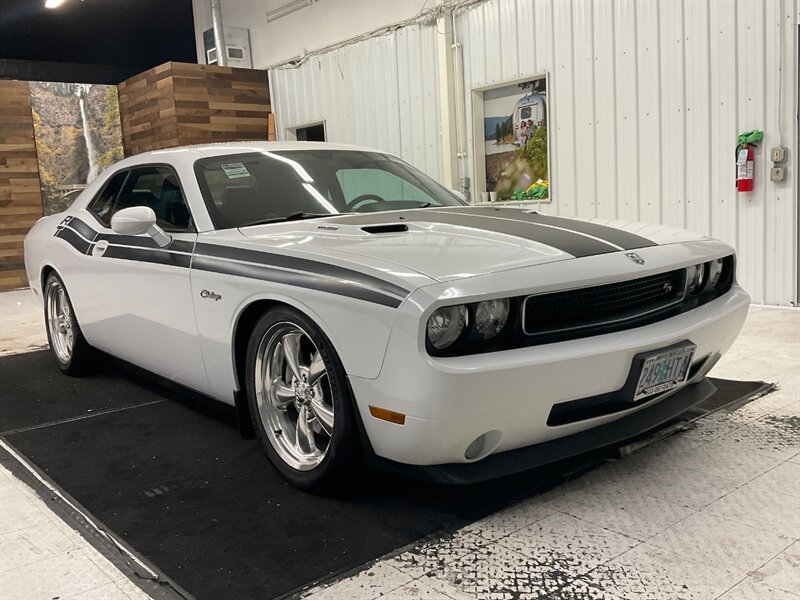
x: 70, y: 349
x: 300, y: 401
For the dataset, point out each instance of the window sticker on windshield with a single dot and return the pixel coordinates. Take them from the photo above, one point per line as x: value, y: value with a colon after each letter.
x: 235, y: 170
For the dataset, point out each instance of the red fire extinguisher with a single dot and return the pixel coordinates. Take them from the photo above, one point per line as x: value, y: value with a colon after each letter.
x: 745, y: 167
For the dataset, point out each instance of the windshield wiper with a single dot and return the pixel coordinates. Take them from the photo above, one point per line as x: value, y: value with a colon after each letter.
x: 295, y: 216
x: 425, y: 205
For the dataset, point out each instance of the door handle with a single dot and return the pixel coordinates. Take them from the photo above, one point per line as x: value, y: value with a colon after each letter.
x: 100, y: 248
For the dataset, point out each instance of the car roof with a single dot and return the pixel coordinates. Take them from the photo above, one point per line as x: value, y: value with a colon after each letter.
x: 223, y: 148
x: 187, y: 155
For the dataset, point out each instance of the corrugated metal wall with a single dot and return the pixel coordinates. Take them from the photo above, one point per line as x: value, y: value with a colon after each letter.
x: 379, y: 92
x: 646, y: 100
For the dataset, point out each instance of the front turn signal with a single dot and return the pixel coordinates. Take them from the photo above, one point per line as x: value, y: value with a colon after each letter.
x: 384, y: 414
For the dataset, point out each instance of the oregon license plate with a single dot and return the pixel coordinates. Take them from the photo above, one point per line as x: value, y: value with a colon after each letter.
x: 664, y: 371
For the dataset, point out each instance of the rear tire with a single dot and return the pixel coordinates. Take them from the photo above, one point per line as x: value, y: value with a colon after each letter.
x: 300, y: 401
x: 72, y: 352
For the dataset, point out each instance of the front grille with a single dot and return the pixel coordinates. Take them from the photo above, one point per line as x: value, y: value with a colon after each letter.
x: 590, y: 307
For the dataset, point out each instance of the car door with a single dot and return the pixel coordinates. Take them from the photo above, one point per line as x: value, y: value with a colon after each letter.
x: 144, y: 303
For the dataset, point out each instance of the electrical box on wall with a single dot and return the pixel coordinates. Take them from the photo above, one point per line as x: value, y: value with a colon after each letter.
x: 237, y: 40
x: 778, y: 154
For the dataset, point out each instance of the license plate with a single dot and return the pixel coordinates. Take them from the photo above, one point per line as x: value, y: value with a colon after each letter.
x: 664, y: 371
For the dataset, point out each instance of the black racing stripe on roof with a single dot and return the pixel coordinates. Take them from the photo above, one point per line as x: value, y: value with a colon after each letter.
x: 299, y: 264
x: 308, y: 280
x: 572, y: 243
x: 618, y: 237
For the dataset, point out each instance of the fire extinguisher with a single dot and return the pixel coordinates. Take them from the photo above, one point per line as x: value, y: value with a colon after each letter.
x: 745, y: 167
x: 745, y: 160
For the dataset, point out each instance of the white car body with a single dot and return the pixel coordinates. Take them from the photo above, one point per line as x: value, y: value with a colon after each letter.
x: 174, y: 311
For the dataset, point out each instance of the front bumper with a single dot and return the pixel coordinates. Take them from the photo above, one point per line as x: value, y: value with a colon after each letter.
x: 537, y: 455
x: 509, y: 395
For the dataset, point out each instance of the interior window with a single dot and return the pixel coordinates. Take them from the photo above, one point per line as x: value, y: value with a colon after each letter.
x: 158, y: 188
x: 525, y: 112
x: 103, y: 204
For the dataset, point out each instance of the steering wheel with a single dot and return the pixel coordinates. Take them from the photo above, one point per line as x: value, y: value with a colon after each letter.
x: 364, y: 198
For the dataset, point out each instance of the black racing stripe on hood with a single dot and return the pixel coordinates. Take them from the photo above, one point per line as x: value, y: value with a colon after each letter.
x: 348, y: 276
x: 576, y: 244
x: 618, y: 237
x: 301, y: 279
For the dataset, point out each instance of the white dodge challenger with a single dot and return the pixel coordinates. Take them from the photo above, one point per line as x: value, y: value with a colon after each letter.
x: 349, y: 306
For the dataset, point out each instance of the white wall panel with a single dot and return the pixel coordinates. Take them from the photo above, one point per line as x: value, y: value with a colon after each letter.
x: 648, y: 80
x: 562, y: 114
x: 646, y: 99
x: 627, y: 111
x: 604, y: 111
x: 698, y: 150
x: 379, y: 93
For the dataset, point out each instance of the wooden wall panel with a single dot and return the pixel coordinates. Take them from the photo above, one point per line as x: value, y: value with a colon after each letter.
x: 20, y: 194
x: 147, y: 111
x: 176, y: 104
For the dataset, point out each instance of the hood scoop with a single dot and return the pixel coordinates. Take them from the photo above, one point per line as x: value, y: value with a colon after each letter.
x: 387, y: 228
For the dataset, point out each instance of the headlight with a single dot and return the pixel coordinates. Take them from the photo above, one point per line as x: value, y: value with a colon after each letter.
x: 694, y: 278
x: 491, y: 317
x: 446, y: 325
x: 714, y: 272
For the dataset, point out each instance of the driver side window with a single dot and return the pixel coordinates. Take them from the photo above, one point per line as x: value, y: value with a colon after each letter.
x: 159, y: 189
x: 356, y: 183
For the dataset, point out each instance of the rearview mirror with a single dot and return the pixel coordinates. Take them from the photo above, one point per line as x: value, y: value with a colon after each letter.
x: 459, y: 194
x: 138, y: 220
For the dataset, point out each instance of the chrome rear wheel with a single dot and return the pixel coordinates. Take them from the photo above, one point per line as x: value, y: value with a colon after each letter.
x: 59, y: 321
x: 294, y: 396
x: 72, y: 352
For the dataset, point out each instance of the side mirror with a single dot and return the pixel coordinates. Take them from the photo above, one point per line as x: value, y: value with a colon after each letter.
x: 138, y: 220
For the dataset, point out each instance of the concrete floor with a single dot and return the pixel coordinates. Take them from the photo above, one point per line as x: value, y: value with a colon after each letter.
x: 713, y: 512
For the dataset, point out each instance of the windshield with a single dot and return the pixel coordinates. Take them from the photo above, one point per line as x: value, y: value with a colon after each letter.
x: 245, y: 189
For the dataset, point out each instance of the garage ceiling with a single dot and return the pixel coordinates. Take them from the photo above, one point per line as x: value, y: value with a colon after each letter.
x: 128, y: 35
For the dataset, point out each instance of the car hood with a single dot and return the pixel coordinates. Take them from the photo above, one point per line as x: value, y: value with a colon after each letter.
x: 457, y: 242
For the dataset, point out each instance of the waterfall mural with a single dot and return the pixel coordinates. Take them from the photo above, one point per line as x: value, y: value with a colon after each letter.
x: 78, y: 136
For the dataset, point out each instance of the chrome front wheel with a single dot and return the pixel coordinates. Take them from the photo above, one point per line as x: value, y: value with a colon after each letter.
x: 293, y: 395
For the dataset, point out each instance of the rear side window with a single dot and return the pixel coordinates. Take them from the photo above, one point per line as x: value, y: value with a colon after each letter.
x: 103, y: 204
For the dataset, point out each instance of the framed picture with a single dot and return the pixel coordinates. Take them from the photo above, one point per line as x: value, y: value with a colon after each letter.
x: 78, y: 135
x: 511, y: 141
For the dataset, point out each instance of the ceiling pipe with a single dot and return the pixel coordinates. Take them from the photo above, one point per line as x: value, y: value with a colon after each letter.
x: 219, y: 33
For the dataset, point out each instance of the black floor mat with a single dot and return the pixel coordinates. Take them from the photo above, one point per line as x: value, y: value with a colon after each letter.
x: 181, y: 487
x: 35, y: 392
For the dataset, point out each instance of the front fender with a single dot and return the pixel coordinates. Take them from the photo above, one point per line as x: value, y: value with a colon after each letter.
x: 358, y: 330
